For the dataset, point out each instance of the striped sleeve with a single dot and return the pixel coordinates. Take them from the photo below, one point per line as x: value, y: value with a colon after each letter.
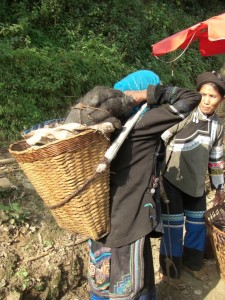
x: 216, y: 161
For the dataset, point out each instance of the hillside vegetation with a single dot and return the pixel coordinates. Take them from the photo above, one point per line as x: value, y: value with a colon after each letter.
x: 54, y: 51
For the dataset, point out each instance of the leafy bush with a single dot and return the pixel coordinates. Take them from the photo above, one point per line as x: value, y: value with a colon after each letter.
x: 42, y: 84
x: 53, y: 51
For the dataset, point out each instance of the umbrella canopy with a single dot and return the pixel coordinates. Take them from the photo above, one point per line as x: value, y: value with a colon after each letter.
x: 209, y: 33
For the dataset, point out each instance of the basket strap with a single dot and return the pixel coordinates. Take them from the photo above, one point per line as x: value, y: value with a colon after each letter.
x: 77, y: 192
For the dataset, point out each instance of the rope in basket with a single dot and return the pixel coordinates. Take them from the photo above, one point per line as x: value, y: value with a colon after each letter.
x: 76, y: 193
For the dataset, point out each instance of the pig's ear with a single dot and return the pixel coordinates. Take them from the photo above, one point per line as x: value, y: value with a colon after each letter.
x: 95, y: 96
x: 100, y: 94
x: 95, y: 101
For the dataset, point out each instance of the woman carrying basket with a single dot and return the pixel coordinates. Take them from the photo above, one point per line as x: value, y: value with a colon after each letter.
x: 121, y: 264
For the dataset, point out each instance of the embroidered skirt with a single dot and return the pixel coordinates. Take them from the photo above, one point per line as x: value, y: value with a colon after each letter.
x: 122, y: 273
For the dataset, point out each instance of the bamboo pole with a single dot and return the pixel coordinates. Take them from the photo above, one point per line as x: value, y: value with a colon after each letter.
x: 7, y: 161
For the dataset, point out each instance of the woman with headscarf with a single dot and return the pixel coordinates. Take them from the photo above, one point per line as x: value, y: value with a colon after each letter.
x: 121, y: 264
x: 194, y: 147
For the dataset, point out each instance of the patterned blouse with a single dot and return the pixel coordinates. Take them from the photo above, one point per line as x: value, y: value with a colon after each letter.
x: 195, y: 146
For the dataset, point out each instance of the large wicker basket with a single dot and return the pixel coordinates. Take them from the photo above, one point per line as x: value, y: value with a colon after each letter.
x: 64, y: 175
x: 215, y: 223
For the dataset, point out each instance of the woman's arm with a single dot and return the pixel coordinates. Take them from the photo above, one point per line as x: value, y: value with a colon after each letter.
x: 184, y: 100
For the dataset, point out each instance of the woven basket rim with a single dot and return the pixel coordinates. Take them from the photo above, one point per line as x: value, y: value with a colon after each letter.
x: 207, y: 215
x: 24, y: 153
x: 216, y: 207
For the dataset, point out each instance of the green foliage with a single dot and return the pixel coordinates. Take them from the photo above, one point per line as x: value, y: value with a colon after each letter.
x: 23, y: 278
x: 54, y: 51
x: 13, y: 213
x: 40, y: 84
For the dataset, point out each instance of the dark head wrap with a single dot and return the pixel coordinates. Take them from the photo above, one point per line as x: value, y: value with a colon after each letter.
x: 214, y: 77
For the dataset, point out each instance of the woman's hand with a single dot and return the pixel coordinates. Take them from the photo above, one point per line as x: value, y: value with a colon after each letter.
x: 219, y: 197
x: 138, y: 96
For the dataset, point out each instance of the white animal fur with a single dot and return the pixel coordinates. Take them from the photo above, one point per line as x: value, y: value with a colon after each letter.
x: 47, y: 135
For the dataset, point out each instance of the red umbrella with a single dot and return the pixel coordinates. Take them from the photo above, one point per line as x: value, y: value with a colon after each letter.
x: 209, y: 33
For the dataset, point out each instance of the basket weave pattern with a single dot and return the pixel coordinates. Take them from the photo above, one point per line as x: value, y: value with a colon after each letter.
x: 59, y: 169
x: 221, y: 111
x: 216, y: 235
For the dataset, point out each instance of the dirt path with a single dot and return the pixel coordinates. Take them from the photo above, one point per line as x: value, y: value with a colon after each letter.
x: 212, y: 288
x: 38, y: 260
